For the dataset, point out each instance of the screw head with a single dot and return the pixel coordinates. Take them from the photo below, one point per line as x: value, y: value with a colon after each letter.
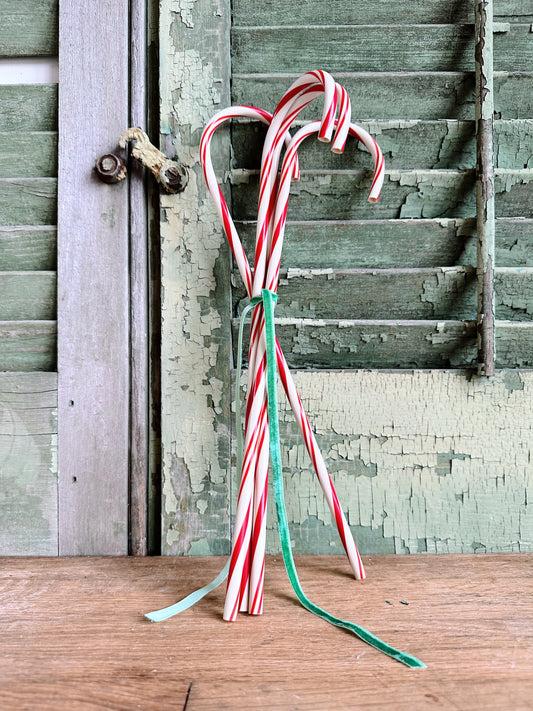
x: 174, y: 177
x: 110, y: 168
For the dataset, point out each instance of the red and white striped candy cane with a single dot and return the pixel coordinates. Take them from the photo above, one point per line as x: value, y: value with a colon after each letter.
x: 247, y: 551
x: 302, y: 92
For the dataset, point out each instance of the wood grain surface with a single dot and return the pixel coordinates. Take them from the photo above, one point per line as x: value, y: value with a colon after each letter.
x: 74, y: 636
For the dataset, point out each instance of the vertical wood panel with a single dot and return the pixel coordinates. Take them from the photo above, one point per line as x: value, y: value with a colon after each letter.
x: 139, y: 395
x: 93, y: 300
x: 194, y: 84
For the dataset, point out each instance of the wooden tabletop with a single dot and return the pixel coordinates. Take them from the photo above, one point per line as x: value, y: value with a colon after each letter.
x: 74, y: 636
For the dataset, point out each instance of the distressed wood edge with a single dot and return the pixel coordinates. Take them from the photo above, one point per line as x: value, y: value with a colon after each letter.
x: 139, y: 295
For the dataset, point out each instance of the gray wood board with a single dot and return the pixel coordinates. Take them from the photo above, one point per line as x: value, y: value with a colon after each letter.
x: 342, y: 195
x: 26, y: 248
x: 28, y: 107
x: 361, y: 12
x: 405, y: 145
x: 28, y: 346
x: 332, y: 244
x: 28, y: 155
x: 28, y: 28
x: 93, y: 289
x: 368, y: 48
x: 399, y: 95
x: 28, y: 201
x: 28, y: 468
x: 27, y: 295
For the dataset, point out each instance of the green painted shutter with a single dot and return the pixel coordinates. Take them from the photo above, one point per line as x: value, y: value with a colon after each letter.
x: 28, y: 382
x: 392, y: 285
x: 377, y: 304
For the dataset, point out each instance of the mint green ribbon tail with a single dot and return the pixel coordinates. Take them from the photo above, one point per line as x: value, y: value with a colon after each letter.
x: 269, y: 300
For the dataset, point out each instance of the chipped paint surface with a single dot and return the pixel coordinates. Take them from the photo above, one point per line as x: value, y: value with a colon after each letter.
x: 423, y: 461
x: 28, y: 464
x: 195, y: 294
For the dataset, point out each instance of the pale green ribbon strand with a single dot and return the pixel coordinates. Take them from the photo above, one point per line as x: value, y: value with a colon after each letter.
x: 269, y: 300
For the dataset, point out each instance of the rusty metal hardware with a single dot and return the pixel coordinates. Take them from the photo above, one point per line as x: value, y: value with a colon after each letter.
x: 170, y: 174
x: 110, y: 168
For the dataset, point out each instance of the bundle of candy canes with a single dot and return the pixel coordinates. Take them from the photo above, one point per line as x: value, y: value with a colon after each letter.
x: 246, y: 568
x: 247, y: 565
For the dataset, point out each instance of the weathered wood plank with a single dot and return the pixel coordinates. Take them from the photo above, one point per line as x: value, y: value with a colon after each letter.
x: 333, y: 343
x: 405, y: 145
x: 28, y: 155
x: 28, y: 346
x: 28, y: 469
x: 429, y: 293
x: 343, y: 195
x: 28, y: 107
x: 204, y: 665
x: 330, y: 244
x: 93, y: 282
x: 347, y: 12
x: 371, y: 48
x: 26, y: 248
x: 399, y: 95
x: 28, y: 28
x: 27, y: 296
x: 195, y: 352
x: 513, y: 294
x: 514, y: 344
x: 28, y: 201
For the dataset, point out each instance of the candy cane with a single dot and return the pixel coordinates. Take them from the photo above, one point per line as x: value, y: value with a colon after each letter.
x: 343, y: 127
x: 272, y: 210
x: 302, y: 92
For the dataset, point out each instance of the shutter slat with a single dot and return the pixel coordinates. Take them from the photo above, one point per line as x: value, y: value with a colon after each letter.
x: 28, y: 201
x: 27, y: 296
x: 28, y: 248
x: 347, y: 12
x: 337, y: 244
x: 333, y: 344
x: 426, y: 294
x: 405, y: 145
x: 374, y: 48
x: 342, y: 195
x: 28, y: 155
x: 28, y: 107
x: 28, y: 345
x: 28, y: 28
x: 399, y: 95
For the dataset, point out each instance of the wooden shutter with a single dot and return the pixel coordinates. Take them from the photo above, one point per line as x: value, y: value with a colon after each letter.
x: 65, y: 389
x: 28, y: 382
x: 377, y: 304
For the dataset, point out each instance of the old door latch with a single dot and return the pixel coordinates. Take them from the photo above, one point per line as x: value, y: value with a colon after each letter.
x: 171, y: 175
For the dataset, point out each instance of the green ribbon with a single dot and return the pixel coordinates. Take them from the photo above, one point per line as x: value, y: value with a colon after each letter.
x: 269, y: 298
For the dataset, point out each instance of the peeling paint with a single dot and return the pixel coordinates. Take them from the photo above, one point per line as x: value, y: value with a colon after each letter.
x: 450, y: 458
x: 195, y: 302
x: 184, y: 12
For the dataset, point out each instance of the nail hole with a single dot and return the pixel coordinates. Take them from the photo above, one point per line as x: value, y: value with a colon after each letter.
x: 74, y: 479
x: 71, y: 403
